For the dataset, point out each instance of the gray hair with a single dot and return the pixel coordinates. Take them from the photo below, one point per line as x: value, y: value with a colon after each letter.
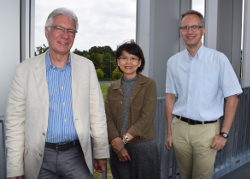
x: 61, y: 11
x: 196, y: 13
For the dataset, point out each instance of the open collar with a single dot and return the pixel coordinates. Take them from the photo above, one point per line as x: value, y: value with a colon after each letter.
x: 199, y: 53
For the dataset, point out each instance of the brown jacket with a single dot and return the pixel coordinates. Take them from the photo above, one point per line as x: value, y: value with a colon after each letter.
x: 142, y: 104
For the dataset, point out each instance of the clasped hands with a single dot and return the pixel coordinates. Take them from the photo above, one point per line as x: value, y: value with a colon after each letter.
x: 119, y: 148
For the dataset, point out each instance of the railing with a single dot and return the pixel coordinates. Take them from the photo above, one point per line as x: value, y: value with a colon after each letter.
x: 234, y: 154
x: 237, y: 150
x: 2, y: 149
x: 167, y: 158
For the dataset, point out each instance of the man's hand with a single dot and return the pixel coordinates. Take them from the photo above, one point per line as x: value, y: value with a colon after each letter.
x: 219, y: 142
x: 20, y: 177
x: 169, y: 142
x: 99, y: 165
x: 169, y: 106
x: 117, y: 144
x: 123, y: 155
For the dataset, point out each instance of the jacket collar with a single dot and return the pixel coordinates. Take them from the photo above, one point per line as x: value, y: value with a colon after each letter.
x: 42, y: 85
x: 41, y: 82
x: 41, y: 61
x: 75, y: 79
x: 42, y: 64
x: 49, y: 64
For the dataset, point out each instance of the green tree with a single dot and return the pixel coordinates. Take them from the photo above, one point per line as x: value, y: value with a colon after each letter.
x: 88, y: 56
x: 78, y: 52
x: 108, y: 49
x: 108, y: 65
x: 95, y: 49
x: 41, y: 49
x: 116, y: 74
x: 102, y: 50
x: 95, y: 58
x: 101, y: 63
x: 85, y: 53
x: 114, y: 62
x: 99, y: 73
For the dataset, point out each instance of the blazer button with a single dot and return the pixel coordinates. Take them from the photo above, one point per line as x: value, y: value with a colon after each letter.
x: 40, y: 155
x: 44, y: 134
x: 121, y: 102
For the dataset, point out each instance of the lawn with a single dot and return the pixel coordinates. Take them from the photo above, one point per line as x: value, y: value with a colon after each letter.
x: 105, y: 79
x: 104, y: 90
x: 99, y: 175
x: 96, y: 174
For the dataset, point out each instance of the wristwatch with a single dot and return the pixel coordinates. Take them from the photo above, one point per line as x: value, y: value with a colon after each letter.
x: 224, y: 135
x: 124, y: 141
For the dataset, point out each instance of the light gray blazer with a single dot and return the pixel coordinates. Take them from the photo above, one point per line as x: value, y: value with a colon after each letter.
x: 28, y: 109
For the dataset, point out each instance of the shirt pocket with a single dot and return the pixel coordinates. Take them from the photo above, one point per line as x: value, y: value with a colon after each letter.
x: 208, y: 83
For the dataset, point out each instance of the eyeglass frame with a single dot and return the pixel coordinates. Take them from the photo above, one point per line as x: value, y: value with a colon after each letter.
x: 64, y: 30
x: 126, y: 59
x: 190, y: 27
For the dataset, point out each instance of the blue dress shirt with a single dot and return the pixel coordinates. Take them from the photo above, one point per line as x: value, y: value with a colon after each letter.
x: 201, y: 83
x: 61, y: 127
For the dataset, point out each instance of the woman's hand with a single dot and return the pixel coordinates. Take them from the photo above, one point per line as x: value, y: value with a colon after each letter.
x: 123, y: 155
x: 117, y: 144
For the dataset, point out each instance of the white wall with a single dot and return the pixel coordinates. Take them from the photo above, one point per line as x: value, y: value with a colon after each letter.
x: 9, y: 47
x: 246, y: 46
x: 143, y: 34
x: 158, y: 35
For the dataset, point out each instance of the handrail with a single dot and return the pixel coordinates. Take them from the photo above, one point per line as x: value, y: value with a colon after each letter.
x: 235, y: 153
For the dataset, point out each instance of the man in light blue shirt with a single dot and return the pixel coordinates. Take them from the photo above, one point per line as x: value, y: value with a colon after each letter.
x: 200, y: 78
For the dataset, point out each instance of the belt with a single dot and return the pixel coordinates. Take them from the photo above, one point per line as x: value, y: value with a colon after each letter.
x: 194, y: 122
x: 62, y: 146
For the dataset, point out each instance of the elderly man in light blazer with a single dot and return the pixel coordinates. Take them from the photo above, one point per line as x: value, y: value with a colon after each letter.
x: 54, y: 107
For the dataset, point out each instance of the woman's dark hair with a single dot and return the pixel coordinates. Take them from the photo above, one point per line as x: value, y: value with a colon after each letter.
x: 131, y: 48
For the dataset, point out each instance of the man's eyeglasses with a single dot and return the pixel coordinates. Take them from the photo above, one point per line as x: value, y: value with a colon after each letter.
x: 194, y: 28
x: 125, y: 59
x: 60, y: 30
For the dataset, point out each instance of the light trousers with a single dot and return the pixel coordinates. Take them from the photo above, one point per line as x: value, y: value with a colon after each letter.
x: 192, y: 143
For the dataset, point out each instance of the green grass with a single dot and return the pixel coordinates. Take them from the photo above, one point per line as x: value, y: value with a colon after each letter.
x: 104, y: 90
x: 105, y: 79
x: 99, y: 175
x: 96, y: 174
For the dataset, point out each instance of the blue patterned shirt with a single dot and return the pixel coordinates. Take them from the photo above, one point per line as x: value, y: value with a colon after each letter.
x: 61, y: 127
x: 201, y: 83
